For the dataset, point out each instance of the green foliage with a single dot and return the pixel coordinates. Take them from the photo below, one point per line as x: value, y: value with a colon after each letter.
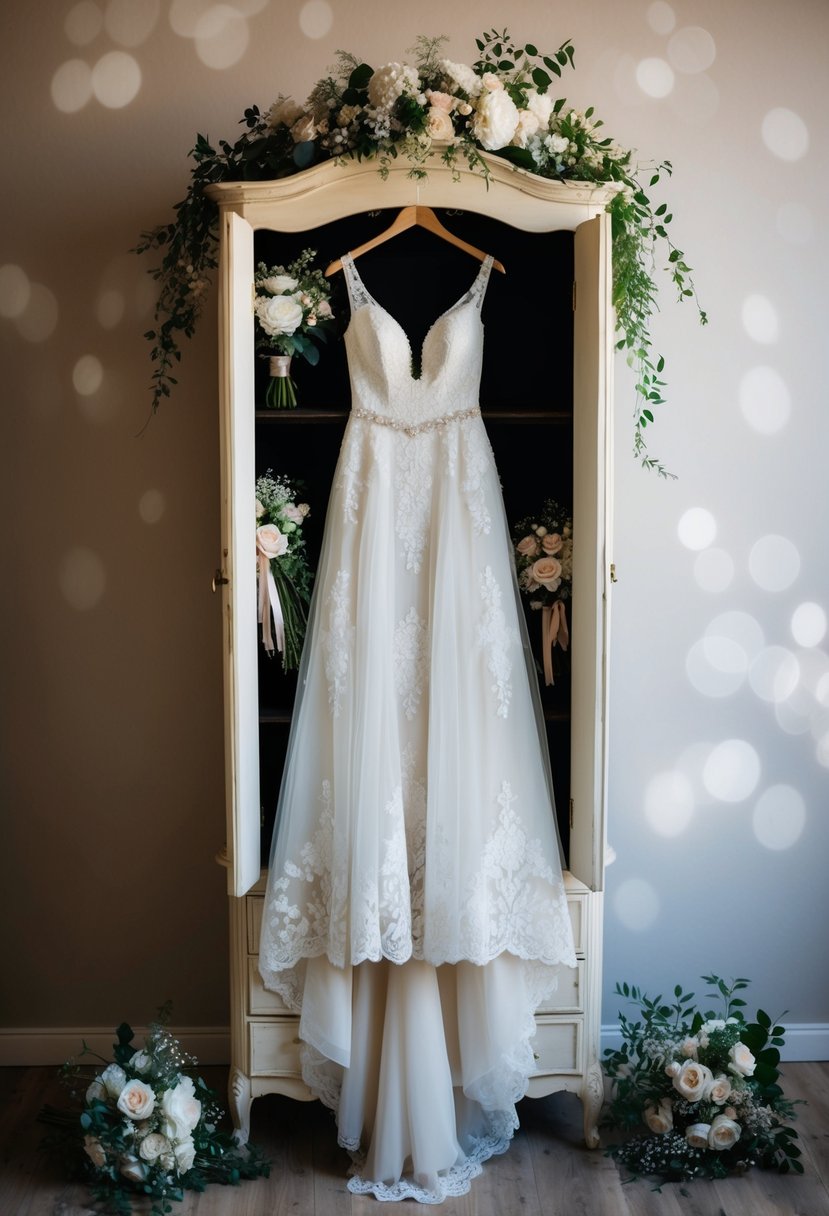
x: 340, y: 120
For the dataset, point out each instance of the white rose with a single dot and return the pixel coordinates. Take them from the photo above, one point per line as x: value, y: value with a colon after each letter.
x: 185, y: 1153
x: 260, y: 510
x: 547, y: 572
x: 181, y: 1110
x: 279, y: 284
x: 293, y: 513
x: 714, y: 1024
x: 495, y: 120
x: 742, y: 1061
x: 153, y: 1145
x: 439, y: 124
x: 461, y: 76
x: 97, y: 1091
x: 114, y: 1078
x: 527, y: 127
x: 283, y: 112
x: 136, y: 1100
x: 491, y: 82
x: 719, y: 1090
x: 132, y: 1168
x: 692, y: 1080
x: 697, y: 1134
x: 673, y: 1068
x: 689, y: 1047
x: 303, y: 509
x: 270, y: 542
x: 556, y: 144
x: 278, y: 314
x: 541, y: 105
x: 95, y: 1151
x: 141, y: 1061
x: 724, y: 1133
x: 660, y: 1119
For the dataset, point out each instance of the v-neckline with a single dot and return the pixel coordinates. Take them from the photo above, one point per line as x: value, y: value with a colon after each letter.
x: 465, y: 297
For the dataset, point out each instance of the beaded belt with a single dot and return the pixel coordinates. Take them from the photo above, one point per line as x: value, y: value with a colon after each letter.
x: 419, y: 428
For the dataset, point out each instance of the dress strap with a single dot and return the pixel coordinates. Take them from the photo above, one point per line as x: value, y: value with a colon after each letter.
x: 478, y: 289
x: 358, y: 297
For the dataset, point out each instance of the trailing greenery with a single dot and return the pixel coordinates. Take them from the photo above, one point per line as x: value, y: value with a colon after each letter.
x: 501, y: 104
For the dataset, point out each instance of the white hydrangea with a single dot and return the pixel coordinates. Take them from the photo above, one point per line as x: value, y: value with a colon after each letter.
x: 391, y: 81
x: 495, y: 121
x: 461, y: 76
x: 556, y: 144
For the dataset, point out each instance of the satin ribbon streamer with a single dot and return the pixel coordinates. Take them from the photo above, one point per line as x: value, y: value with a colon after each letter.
x: 267, y: 591
x: 554, y: 631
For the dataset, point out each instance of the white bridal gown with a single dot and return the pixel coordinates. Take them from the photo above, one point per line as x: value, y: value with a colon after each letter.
x: 415, y: 911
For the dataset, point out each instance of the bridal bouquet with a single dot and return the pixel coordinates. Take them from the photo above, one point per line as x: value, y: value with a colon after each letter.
x: 706, y: 1086
x: 293, y: 311
x: 543, y: 546
x: 147, y: 1129
x: 284, y: 577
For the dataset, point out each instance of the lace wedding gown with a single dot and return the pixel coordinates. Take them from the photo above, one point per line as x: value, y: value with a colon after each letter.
x: 415, y: 911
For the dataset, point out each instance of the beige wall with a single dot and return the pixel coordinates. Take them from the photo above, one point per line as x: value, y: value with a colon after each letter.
x: 113, y: 766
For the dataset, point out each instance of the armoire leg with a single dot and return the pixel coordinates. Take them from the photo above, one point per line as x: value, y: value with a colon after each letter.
x: 239, y: 1100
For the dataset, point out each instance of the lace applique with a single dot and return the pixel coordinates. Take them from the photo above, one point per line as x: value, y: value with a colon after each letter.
x: 349, y: 483
x: 495, y: 638
x: 337, y: 639
x: 516, y: 902
x: 315, y: 923
x: 476, y: 457
x: 410, y: 660
x: 414, y: 491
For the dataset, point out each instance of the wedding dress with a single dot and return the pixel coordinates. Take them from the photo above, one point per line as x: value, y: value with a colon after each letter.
x: 415, y: 912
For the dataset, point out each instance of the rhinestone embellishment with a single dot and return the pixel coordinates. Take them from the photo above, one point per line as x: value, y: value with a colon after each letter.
x: 433, y: 424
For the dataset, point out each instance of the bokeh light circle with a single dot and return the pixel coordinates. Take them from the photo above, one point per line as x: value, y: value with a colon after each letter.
x: 87, y: 375
x: 713, y: 570
x: 151, y: 506
x: 774, y: 562
x: 785, y: 134
x: 760, y: 320
x: 765, y: 400
x: 732, y: 771
x: 691, y: 49
x: 779, y: 817
x: 81, y: 578
x: 661, y: 17
x: 15, y: 290
x: 83, y: 23
x: 655, y: 77
x: 636, y: 904
x: 316, y: 18
x: 774, y: 674
x: 116, y: 79
x: 129, y: 23
x: 39, y: 319
x: 72, y: 86
x: 697, y: 528
x: 669, y: 803
x: 808, y: 624
x: 221, y: 36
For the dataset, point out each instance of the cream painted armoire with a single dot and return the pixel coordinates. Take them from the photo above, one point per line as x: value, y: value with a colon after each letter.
x: 564, y: 410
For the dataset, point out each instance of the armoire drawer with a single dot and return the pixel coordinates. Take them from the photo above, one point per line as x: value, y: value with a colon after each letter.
x: 255, y: 903
x: 557, y: 1044
x: 260, y: 1000
x: 274, y: 1047
x: 568, y: 996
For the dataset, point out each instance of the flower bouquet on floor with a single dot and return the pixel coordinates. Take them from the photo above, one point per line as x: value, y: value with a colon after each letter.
x: 543, y: 546
x: 292, y: 310
x: 145, y: 1129
x: 284, y: 577
x: 706, y: 1086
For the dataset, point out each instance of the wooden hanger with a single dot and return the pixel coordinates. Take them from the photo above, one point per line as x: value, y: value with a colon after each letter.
x: 423, y: 217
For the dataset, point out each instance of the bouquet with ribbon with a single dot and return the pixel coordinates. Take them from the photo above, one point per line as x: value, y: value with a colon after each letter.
x: 293, y: 311
x: 284, y: 577
x: 544, y: 564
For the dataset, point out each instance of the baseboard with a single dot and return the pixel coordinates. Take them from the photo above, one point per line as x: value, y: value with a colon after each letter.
x: 47, y: 1045
x: 804, y: 1040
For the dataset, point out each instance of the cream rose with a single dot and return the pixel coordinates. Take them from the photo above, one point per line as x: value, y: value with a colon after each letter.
x: 697, y: 1134
x: 304, y: 129
x: 136, y: 1100
x: 527, y: 546
x: 547, y: 572
x: 541, y: 105
x: 439, y: 124
x: 278, y: 314
x: 724, y: 1133
x: 672, y: 1069
x: 719, y: 1090
x: 132, y: 1168
x: 660, y: 1119
x: 181, y: 1110
x: 114, y: 1078
x: 141, y: 1060
x: 260, y: 509
x: 293, y: 513
x: 440, y: 101
x: 96, y: 1092
x: 690, y: 1047
x: 495, y: 121
x: 742, y: 1061
x: 491, y: 82
x: 153, y: 1145
x: 270, y: 542
x: 551, y: 543
x: 692, y: 1080
x: 185, y: 1154
x: 95, y: 1151
x: 527, y: 127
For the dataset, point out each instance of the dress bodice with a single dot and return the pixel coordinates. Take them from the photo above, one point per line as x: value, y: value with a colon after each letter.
x: 380, y: 356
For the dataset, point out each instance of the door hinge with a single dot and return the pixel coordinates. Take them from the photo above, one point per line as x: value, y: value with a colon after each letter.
x: 574, y: 295
x: 613, y: 577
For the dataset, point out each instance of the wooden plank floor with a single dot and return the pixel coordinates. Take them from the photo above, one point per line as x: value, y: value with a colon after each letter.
x: 547, y: 1171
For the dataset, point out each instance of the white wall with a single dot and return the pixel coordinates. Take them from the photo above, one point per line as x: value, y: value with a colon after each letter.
x: 113, y: 767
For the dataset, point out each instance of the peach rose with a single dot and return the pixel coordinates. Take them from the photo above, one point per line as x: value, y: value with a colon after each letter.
x: 719, y: 1091
x: 439, y: 124
x: 724, y: 1133
x: 547, y: 572
x: 136, y: 1100
x: 697, y: 1134
x: 660, y: 1119
x: 527, y: 546
x: 551, y: 543
x: 270, y: 541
